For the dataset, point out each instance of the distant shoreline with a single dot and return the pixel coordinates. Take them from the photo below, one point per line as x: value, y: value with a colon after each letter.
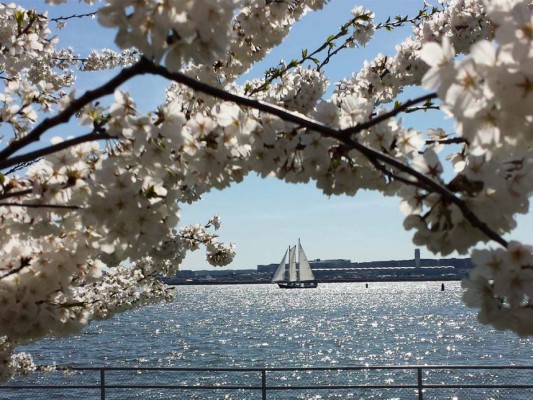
x: 354, y: 280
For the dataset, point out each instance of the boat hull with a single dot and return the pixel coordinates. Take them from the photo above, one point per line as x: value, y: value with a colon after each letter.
x: 298, y: 285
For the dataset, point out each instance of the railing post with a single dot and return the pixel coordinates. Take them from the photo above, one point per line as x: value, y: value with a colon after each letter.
x: 420, y: 391
x: 102, y: 384
x: 263, y: 384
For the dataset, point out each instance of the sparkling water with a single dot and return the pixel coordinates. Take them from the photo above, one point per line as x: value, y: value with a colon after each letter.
x: 337, y: 324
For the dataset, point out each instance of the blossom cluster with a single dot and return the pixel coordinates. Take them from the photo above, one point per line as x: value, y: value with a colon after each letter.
x: 19, y: 363
x: 109, y: 59
x: 177, y: 32
x: 364, y: 25
x: 489, y: 94
x: 501, y: 287
x: 462, y: 21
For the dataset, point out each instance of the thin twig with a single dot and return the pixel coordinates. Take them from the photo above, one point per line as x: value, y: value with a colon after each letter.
x: 274, y: 73
x: 456, y: 140
x: 91, y: 14
x: 383, y: 117
x: 22, y: 165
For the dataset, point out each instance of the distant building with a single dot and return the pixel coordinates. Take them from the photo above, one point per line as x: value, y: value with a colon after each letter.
x: 340, y: 269
x: 325, y: 264
x: 268, y: 269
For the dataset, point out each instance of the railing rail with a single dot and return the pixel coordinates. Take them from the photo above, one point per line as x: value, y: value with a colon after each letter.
x: 266, y: 380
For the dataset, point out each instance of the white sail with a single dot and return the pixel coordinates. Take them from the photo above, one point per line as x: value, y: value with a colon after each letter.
x: 292, y: 265
x: 295, y: 275
x: 279, y: 276
x: 306, y: 274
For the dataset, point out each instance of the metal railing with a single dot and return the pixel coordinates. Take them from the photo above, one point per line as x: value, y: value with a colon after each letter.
x: 409, y: 382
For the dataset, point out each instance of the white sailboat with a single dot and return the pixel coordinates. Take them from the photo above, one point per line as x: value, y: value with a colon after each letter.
x: 295, y: 275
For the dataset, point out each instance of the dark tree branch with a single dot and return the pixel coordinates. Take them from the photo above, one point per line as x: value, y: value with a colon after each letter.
x: 344, y: 136
x: 331, y: 53
x: 383, y: 117
x: 58, y: 19
x: 24, y: 262
x: 456, y: 140
x: 27, y: 205
x: 21, y: 165
x: 75, y: 106
x: 10, y: 195
x: 280, y: 112
x: 421, y: 108
x: 380, y: 167
x: 27, y: 157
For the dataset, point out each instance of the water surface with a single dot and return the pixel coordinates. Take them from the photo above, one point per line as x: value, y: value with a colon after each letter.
x: 261, y: 325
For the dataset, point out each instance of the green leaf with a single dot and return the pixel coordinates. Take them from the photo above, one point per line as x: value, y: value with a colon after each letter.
x: 293, y: 63
x: 19, y: 17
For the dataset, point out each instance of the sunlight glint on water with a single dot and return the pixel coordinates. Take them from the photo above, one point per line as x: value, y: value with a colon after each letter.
x: 261, y: 325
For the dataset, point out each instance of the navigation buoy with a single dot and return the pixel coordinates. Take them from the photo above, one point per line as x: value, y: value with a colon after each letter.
x: 442, y: 287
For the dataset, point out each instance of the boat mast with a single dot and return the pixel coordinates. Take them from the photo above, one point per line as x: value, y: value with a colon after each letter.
x: 288, y: 266
x: 298, y: 269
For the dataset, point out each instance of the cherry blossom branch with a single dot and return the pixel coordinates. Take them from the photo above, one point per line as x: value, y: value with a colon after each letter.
x: 24, y: 262
x: 75, y: 106
x: 381, y: 167
x: 221, y: 94
x: 57, y: 206
x: 421, y: 108
x: 329, y: 43
x: 15, y: 194
x: 274, y: 73
x: 79, y: 16
x: 331, y: 53
x: 399, y: 21
x: 145, y: 66
x: 22, y: 165
x: 383, y: 117
x: 343, y: 136
x: 387, y: 25
x: 431, y: 185
x: 32, y: 155
x: 456, y: 140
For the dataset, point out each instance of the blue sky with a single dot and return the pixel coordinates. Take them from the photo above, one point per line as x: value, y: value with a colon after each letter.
x: 263, y: 216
